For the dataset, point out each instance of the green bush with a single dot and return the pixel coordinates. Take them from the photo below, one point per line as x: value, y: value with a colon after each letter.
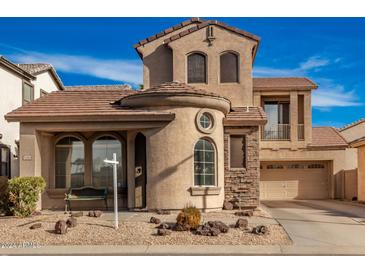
x: 23, y: 193
x: 189, y: 217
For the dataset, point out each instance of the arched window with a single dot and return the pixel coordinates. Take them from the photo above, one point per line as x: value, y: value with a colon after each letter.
x: 103, y: 148
x: 204, y: 163
x: 229, y: 68
x: 197, y: 68
x: 70, y: 163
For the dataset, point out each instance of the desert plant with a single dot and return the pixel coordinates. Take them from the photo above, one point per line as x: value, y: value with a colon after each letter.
x: 189, y: 217
x: 23, y: 193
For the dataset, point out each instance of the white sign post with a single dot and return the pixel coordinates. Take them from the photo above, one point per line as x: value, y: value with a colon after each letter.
x: 114, y: 162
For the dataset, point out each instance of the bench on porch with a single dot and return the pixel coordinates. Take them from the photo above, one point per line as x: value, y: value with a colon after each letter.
x: 86, y: 193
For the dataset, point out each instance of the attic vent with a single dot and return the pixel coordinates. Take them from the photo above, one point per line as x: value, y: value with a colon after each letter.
x: 210, y: 35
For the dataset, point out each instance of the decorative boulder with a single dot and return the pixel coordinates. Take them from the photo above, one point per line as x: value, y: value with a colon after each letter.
x: 61, y: 227
x: 244, y: 213
x: 227, y: 205
x: 212, y: 228
x: 207, y: 230
x: 241, y: 223
x: 164, y: 226
x: 97, y: 213
x: 36, y: 225
x: 155, y: 220
x: 163, y: 212
x: 222, y: 227
x: 163, y: 232
x: 71, y: 222
x: 94, y: 213
x: 260, y: 230
x: 77, y: 214
x: 179, y: 227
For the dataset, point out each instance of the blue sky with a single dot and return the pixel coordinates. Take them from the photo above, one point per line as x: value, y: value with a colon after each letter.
x: 100, y: 51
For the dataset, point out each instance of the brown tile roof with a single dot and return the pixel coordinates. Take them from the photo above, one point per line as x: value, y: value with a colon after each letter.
x: 327, y: 137
x: 176, y: 88
x: 13, y: 67
x: 98, y: 88
x: 353, y: 124
x: 79, y: 106
x: 167, y: 31
x: 37, y: 68
x: 283, y: 83
x: 241, y: 116
x: 206, y: 23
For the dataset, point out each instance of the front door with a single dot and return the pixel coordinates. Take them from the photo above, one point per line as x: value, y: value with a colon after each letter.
x: 140, y: 170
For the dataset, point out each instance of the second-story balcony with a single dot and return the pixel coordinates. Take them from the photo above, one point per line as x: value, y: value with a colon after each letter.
x: 280, y: 132
x: 275, y: 132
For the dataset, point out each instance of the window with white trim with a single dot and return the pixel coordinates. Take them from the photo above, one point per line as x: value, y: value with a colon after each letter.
x: 204, y: 163
x: 28, y: 93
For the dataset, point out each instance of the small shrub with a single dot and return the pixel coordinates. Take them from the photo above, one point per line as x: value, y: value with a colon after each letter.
x: 189, y: 217
x: 24, y: 193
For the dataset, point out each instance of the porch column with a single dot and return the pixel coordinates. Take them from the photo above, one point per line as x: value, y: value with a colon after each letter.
x: 307, y: 118
x: 30, y: 155
x: 131, y: 169
x: 294, y: 117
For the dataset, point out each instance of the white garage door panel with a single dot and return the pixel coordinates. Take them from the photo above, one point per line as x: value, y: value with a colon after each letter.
x: 278, y: 190
x: 294, y: 183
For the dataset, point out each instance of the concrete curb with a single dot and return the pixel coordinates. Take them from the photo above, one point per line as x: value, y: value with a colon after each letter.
x: 195, y: 250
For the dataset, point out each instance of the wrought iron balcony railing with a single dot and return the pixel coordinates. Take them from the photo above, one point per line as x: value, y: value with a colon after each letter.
x: 275, y: 132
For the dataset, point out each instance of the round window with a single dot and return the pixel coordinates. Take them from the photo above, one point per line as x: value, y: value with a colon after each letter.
x: 205, y: 121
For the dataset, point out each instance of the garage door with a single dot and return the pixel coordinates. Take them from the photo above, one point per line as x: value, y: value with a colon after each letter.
x: 294, y: 180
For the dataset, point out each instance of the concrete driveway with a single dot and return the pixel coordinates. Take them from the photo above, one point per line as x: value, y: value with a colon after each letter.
x: 320, y: 222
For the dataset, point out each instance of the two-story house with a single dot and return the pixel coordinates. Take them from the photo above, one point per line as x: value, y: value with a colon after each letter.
x: 202, y: 131
x: 354, y: 134
x: 20, y: 84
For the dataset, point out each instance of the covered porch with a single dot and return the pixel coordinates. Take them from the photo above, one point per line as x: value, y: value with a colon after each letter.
x: 70, y: 155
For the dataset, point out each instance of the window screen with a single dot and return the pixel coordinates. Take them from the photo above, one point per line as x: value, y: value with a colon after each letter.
x: 196, y: 68
x: 229, y: 68
x: 237, y: 151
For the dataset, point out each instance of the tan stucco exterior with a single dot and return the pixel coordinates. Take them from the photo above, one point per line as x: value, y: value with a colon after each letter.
x: 361, y: 173
x: 355, y: 134
x: 169, y: 174
x: 341, y: 162
x: 170, y: 139
x: 354, y: 131
x: 240, y: 94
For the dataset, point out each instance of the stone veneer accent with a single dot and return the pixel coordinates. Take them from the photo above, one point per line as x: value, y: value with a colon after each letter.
x: 242, y: 185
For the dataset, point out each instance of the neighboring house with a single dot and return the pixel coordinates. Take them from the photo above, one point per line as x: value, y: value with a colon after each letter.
x: 202, y: 131
x: 20, y: 84
x: 355, y: 135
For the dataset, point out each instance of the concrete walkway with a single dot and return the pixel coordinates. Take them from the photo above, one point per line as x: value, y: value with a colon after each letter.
x: 321, y: 223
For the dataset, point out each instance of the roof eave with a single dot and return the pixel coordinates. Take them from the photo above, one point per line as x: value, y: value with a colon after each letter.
x: 228, y: 122
x: 113, y: 117
x: 287, y: 88
x: 9, y: 65
x: 335, y: 147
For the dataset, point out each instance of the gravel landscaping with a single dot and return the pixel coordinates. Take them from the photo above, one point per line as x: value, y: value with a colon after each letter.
x: 134, y: 229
